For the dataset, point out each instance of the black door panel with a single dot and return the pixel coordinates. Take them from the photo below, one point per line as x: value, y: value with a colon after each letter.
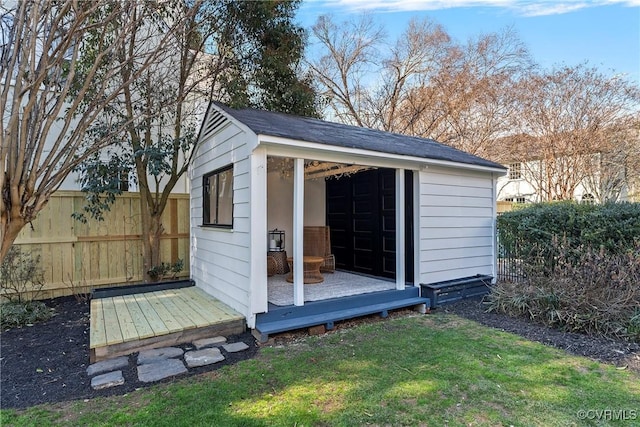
x: 361, y: 214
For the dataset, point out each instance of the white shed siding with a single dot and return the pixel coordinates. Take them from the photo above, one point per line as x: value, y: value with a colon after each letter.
x: 456, y: 224
x: 220, y: 258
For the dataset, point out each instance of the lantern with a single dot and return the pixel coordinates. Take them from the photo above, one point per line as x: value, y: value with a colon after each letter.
x: 276, y: 240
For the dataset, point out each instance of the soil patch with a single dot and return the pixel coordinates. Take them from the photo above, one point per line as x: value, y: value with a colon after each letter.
x: 623, y: 354
x: 47, y: 362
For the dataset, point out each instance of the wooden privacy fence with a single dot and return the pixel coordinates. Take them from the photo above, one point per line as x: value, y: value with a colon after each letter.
x: 504, y: 206
x: 77, y: 257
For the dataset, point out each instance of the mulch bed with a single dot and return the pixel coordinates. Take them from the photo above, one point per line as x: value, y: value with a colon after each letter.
x: 47, y: 362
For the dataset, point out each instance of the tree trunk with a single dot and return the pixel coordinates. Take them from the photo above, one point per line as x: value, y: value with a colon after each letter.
x: 10, y: 230
x: 152, y: 229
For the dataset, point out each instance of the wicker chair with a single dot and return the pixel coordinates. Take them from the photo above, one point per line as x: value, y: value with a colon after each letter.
x: 317, y: 242
x: 272, y: 266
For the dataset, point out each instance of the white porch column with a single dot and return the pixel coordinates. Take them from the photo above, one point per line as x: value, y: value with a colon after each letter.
x: 417, y: 274
x: 298, y: 231
x: 400, y: 228
x: 258, y: 272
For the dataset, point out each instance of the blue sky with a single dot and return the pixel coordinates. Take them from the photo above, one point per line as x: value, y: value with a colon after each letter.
x: 605, y: 33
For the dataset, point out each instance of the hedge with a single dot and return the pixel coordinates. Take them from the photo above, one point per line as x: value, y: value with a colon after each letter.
x: 613, y: 227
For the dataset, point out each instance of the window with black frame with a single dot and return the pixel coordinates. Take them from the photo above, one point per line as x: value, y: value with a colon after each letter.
x: 515, y: 171
x: 218, y: 198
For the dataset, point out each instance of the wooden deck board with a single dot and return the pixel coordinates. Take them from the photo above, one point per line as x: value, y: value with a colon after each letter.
x: 127, y: 325
x: 188, y: 311
x: 97, y: 333
x: 212, y: 316
x: 169, y: 320
x: 199, y: 295
x: 139, y: 320
x: 153, y: 318
x: 168, y: 299
x: 111, y: 324
x: 122, y: 325
x: 217, y: 309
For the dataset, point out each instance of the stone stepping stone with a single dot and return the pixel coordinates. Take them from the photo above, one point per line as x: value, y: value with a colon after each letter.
x: 203, y: 357
x: 235, y: 347
x: 107, y: 380
x: 107, y: 365
x: 158, y: 354
x: 160, y: 370
x: 209, y: 342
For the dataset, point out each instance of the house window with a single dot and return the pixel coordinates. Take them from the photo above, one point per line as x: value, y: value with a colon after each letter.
x: 515, y: 171
x: 588, y: 199
x: 516, y: 199
x: 218, y: 198
x: 123, y: 180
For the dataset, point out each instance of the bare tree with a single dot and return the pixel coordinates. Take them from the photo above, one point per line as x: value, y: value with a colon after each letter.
x: 569, y: 127
x: 425, y: 85
x: 418, y: 55
x: 349, y: 55
x: 45, y: 107
x: 368, y: 82
x: 575, y: 116
x: 467, y: 102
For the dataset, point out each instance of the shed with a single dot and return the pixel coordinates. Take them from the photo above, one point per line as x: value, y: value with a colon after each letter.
x: 401, y: 211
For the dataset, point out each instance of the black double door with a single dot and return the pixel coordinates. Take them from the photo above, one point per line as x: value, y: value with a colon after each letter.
x: 361, y: 213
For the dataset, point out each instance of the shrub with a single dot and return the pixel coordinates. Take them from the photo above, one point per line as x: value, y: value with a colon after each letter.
x: 159, y: 272
x: 20, y: 276
x: 579, y: 267
x: 21, y: 279
x: 23, y: 313
x: 586, y: 290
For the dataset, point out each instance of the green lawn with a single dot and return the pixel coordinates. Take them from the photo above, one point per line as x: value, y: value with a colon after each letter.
x: 429, y: 370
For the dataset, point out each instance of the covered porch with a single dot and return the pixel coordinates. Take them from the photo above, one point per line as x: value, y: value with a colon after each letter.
x: 342, y: 295
x: 371, y: 235
x: 370, y: 218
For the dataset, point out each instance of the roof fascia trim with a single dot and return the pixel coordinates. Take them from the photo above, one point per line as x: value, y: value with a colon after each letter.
x: 286, y: 146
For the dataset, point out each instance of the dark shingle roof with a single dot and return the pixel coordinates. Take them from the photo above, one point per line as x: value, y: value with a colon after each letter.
x: 341, y: 135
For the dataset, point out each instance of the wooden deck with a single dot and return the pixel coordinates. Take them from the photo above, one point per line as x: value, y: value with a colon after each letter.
x: 125, y: 324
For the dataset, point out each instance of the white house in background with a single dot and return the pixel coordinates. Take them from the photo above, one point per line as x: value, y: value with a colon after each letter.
x: 406, y: 209
x: 593, y: 177
x: 519, y: 185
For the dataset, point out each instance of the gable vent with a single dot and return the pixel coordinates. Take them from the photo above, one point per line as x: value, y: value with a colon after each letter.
x: 215, y: 121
